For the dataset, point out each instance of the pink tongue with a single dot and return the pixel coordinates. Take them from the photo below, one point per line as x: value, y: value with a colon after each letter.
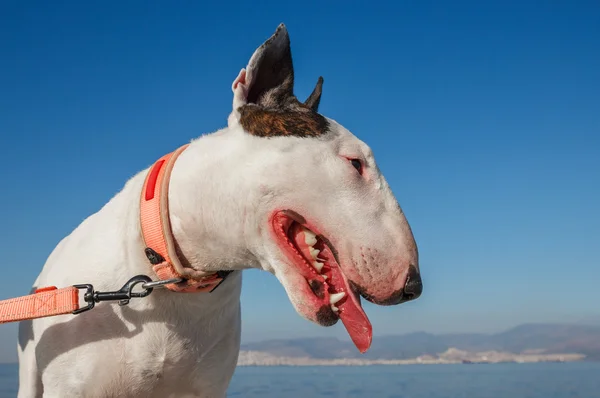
x: 350, y: 311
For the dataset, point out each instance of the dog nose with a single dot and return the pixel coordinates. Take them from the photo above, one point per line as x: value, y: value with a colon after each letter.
x: 414, y: 285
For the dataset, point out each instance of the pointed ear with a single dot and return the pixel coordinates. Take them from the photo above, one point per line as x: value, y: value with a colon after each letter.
x: 268, y: 80
x: 264, y: 103
x: 315, y: 97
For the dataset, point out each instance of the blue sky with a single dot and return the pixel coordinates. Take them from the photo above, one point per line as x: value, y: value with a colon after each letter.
x: 484, y: 117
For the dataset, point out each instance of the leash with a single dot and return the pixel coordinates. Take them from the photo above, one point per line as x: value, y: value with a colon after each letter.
x: 160, y: 250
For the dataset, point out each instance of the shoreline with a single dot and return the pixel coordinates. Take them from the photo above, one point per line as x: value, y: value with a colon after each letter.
x: 450, y: 357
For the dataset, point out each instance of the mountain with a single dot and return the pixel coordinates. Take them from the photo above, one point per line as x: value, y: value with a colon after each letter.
x: 539, y: 338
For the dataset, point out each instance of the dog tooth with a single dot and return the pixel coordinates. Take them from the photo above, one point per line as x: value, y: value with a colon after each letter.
x: 314, y: 252
x: 318, y: 266
x: 309, y: 237
x: 334, y: 308
x: 324, y: 276
x: 335, y: 297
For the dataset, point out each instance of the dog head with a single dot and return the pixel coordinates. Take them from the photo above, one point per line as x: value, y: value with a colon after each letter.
x: 329, y: 227
x: 290, y: 191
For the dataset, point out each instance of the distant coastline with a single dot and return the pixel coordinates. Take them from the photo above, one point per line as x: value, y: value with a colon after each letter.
x: 528, y: 343
x: 451, y: 356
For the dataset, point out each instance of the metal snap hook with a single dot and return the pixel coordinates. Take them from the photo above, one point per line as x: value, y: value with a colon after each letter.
x: 123, y: 295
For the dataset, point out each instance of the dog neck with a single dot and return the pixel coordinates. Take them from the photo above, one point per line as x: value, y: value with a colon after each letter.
x: 207, y: 212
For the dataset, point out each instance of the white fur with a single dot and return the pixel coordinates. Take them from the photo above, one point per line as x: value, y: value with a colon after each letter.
x: 223, y: 189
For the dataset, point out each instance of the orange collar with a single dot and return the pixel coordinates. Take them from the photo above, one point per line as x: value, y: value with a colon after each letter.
x: 157, y: 234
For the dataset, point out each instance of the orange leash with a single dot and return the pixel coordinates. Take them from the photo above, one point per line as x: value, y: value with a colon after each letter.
x: 160, y: 250
x: 44, y: 302
x: 50, y: 301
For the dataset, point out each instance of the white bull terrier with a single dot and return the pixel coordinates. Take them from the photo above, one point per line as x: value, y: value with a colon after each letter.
x: 281, y: 188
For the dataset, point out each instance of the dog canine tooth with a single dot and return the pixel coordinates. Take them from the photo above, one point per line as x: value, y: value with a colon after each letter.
x: 335, y: 297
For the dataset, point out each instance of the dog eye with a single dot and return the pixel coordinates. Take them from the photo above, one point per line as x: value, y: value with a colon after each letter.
x: 357, y: 165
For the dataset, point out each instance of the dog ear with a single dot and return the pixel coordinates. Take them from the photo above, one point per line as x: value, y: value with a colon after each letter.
x: 268, y: 80
x: 264, y: 103
x: 315, y: 97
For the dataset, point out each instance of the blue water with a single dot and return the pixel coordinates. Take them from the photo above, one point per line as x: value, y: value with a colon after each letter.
x: 542, y: 380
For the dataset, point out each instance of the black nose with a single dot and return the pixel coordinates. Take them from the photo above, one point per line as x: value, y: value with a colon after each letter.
x: 414, y: 286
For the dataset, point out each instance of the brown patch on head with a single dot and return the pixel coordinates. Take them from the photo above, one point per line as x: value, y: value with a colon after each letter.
x: 297, y: 121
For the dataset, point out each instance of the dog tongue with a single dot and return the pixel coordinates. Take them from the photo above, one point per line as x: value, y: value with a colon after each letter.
x: 350, y: 311
x: 353, y: 316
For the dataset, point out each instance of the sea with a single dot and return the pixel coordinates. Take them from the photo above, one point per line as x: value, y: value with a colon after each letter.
x: 506, y: 380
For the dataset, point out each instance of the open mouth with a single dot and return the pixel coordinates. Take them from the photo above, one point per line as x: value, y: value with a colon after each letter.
x: 314, y: 258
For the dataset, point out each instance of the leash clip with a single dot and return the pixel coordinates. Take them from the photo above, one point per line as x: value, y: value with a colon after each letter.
x: 122, y: 295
